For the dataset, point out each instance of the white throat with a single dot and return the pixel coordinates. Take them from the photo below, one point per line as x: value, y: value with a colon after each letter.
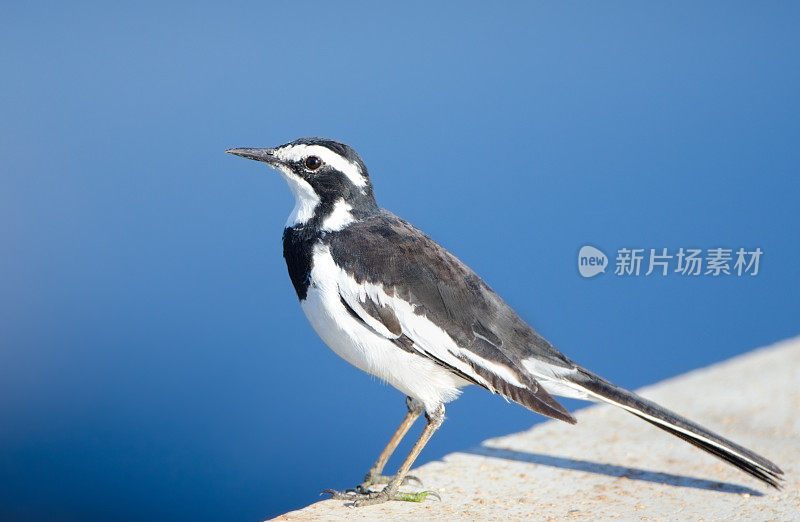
x: 305, y: 199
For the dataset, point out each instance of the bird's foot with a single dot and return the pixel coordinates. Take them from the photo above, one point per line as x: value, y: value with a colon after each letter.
x: 375, y: 478
x: 370, y: 498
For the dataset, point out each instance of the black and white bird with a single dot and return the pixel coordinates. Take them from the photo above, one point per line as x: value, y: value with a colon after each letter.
x: 392, y: 302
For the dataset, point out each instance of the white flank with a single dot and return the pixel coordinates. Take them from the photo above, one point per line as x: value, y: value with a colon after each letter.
x: 343, y: 165
x: 339, y: 217
x: 415, y: 376
x: 370, y: 346
x: 427, y: 336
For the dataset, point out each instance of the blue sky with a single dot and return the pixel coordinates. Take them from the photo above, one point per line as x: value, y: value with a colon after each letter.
x: 154, y: 362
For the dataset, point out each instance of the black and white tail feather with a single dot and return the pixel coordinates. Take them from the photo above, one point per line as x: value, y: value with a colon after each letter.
x: 601, y: 390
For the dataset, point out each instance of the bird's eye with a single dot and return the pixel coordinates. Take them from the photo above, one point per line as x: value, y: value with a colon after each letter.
x: 313, y: 163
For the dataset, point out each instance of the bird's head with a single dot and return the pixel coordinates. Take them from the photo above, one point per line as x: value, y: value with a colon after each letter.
x: 328, y: 179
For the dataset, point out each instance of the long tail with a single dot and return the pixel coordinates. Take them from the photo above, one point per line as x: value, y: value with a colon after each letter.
x: 744, y: 459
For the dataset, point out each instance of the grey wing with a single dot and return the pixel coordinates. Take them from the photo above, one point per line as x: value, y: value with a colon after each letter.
x: 429, y: 303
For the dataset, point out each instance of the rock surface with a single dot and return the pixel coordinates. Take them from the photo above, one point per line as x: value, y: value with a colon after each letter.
x: 613, y: 465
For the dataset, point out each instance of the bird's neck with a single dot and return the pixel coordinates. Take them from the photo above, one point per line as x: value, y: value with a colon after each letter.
x: 330, y: 213
x: 329, y: 216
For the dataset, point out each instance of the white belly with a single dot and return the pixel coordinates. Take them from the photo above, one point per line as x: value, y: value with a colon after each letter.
x: 414, y: 375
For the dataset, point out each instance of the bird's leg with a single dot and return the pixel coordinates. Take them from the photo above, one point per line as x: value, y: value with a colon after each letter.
x: 392, y: 490
x: 374, y: 475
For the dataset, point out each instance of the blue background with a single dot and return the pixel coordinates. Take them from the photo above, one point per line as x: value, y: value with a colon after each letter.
x: 154, y: 361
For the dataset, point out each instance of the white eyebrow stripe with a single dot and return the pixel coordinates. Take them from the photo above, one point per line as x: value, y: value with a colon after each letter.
x: 343, y: 165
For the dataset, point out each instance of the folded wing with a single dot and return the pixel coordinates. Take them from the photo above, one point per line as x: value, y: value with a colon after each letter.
x: 413, y: 292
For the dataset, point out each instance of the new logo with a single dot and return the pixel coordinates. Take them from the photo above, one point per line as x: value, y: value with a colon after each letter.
x: 591, y: 261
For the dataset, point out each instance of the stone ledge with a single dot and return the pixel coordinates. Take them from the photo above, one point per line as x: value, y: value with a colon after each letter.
x: 613, y: 465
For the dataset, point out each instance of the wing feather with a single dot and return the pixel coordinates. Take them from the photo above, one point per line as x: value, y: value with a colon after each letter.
x: 481, y: 362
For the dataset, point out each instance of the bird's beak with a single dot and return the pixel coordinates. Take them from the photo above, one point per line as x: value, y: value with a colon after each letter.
x: 265, y: 155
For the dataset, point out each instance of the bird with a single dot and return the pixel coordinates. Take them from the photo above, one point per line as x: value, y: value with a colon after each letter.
x: 394, y: 303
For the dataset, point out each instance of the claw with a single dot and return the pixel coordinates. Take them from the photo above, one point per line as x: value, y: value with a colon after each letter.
x: 411, y: 478
x: 340, y: 495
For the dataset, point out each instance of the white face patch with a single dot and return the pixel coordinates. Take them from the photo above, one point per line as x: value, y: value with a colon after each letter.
x: 343, y: 165
x: 339, y: 217
x: 305, y: 198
